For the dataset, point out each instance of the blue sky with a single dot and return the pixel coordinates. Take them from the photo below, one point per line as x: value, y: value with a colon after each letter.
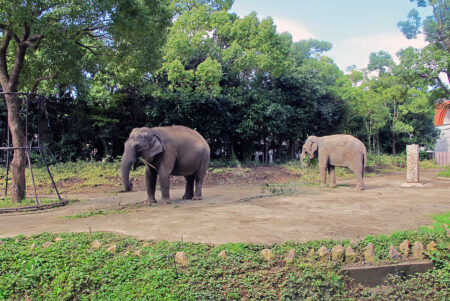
x: 354, y: 27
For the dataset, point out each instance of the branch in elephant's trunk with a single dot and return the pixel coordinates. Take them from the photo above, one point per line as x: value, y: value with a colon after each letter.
x: 148, y: 164
x: 304, y: 156
x: 305, y: 165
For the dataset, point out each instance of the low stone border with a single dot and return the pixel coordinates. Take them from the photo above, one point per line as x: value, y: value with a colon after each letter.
x: 364, y: 272
x: 375, y: 275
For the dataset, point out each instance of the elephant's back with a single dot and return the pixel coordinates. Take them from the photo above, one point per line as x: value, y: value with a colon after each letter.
x: 344, y: 139
x: 181, y: 134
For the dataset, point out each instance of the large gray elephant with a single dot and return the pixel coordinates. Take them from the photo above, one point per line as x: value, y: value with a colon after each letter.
x: 337, y: 150
x: 172, y: 150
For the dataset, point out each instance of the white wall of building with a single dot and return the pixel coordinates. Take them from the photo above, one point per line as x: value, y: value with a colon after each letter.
x: 443, y: 144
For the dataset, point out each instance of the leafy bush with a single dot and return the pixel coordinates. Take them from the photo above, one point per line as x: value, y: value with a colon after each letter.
x: 72, y: 269
x: 444, y: 173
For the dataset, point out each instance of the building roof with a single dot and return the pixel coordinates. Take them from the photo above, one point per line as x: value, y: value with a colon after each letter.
x: 441, y: 111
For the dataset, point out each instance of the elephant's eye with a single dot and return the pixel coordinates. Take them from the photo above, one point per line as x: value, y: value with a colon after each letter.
x: 138, y: 150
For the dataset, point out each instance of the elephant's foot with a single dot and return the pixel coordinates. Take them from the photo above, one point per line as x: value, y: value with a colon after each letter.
x: 197, y: 198
x: 188, y: 197
x: 333, y: 185
x: 150, y: 201
x: 359, y: 188
x: 166, y: 201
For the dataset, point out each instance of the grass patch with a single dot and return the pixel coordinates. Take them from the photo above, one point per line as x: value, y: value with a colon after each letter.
x: 71, y: 269
x: 92, y: 213
x: 290, y: 188
x: 80, y: 174
x: 444, y: 173
x: 430, y: 164
x: 7, y: 203
x: 441, y: 219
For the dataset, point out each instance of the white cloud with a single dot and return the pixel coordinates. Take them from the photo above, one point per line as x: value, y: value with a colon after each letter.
x: 356, y: 50
x: 297, y: 31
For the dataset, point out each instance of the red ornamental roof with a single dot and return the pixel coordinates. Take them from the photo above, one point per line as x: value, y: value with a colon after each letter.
x: 441, y: 111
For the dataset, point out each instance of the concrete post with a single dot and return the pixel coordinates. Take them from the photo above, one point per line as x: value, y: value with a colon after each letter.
x: 412, y: 166
x: 412, y: 163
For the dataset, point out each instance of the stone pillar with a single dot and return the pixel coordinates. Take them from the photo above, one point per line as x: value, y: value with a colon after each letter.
x: 412, y: 163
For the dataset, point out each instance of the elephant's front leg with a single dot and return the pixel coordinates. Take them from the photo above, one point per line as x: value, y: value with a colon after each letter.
x: 332, y: 174
x: 150, y: 181
x: 164, y: 182
x: 189, y: 191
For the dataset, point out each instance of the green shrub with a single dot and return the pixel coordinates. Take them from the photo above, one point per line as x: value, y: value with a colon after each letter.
x: 444, y: 173
x: 72, y: 269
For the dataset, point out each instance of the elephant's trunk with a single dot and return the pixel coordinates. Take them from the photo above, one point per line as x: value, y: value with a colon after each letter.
x: 128, y: 159
x: 302, y: 159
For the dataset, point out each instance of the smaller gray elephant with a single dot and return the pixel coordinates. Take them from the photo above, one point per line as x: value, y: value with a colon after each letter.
x: 337, y: 150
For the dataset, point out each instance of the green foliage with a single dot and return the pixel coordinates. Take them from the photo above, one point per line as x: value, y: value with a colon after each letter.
x: 92, y: 213
x: 70, y: 268
x: 380, y: 61
x: 444, y: 173
x: 30, y: 201
x: 234, y: 79
x: 391, y: 161
x: 432, y: 60
x: 114, y: 41
x: 81, y: 175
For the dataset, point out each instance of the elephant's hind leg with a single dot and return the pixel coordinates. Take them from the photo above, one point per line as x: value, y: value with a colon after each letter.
x: 358, y: 169
x: 332, y: 176
x: 189, y: 191
x: 198, y: 186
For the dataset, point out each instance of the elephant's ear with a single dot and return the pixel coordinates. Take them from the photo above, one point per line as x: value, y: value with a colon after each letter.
x: 157, y: 146
x: 314, y: 147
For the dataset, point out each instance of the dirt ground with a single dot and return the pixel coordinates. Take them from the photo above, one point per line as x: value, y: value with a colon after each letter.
x: 224, y: 215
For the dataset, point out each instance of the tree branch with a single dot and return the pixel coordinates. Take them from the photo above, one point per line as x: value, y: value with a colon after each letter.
x: 442, y: 85
x: 4, y: 76
x: 20, y: 59
x: 38, y: 80
x: 87, y: 47
x: 34, y: 41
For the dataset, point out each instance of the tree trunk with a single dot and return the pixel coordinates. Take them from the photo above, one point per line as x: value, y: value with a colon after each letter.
x: 370, y: 144
x: 291, y: 149
x: 374, y: 143
x: 393, y: 134
x: 43, y: 123
x: 393, y: 144
x: 19, y: 142
x: 378, y: 144
x: 266, y: 151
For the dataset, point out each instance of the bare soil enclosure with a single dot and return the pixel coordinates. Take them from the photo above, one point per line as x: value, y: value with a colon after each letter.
x: 225, y: 215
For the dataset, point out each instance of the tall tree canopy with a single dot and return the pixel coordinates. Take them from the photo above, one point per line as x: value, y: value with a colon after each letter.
x: 434, y: 59
x: 109, y: 41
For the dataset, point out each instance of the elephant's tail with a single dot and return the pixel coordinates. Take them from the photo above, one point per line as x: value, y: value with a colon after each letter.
x: 364, y: 162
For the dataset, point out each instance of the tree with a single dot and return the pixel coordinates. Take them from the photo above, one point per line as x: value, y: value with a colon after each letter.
x: 381, y: 62
x: 104, y: 41
x: 434, y: 59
